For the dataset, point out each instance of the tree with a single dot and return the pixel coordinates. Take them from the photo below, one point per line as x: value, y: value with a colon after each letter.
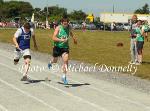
x: 38, y: 13
x: 97, y: 19
x: 54, y: 12
x: 1, y: 1
x: 143, y: 10
x: 78, y: 15
x: 11, y: 9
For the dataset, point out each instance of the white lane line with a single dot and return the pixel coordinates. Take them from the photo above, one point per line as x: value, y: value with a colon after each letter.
x: 2, y: 108
x: 76, y: 97
x: 26, y: 93
x: 64, y: 92
x: 118, y: 97
x: 109, y: 94
x: 104, y: 92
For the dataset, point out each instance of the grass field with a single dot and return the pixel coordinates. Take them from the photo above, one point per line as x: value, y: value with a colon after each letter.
x: 93, y: 47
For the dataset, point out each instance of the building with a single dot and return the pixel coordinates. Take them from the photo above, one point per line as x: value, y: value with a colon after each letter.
x: 121, y: 17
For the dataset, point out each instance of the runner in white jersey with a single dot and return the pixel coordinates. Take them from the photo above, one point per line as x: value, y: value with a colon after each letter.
x: 21, y: 40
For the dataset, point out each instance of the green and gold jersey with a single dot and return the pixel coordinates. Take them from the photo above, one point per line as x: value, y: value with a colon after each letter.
x: 63, y: 33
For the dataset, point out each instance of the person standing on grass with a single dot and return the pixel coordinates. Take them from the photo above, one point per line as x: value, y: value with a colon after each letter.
x: 21, y: 40
x: 112, y: 26
x: 133, y: 47
x: 61, y: 45
x: 146, y: 29
x: 84, y: 26
x: 139, y: 41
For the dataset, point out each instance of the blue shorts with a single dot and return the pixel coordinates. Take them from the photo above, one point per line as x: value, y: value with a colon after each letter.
x: 140, y: 45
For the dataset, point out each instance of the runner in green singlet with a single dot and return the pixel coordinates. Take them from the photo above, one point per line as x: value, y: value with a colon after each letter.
x: 61, y: 45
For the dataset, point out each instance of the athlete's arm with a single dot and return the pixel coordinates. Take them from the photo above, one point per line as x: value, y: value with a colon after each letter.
x: 15, y: 42
x: 16, y: 35
x: 33, y: 38
x: 74, y: 38
x: 55, y: 38
x: 34, y: 41
x: 143, y: 33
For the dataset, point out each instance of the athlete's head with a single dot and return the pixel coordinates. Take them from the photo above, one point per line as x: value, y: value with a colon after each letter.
x: 134, y: 18
x: 65, y: 21
x: 139, y: 23
x: 27, y: 27
x: 146, y: 22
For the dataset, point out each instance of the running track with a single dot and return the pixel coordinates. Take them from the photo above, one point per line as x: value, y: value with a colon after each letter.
x: 83, y: 94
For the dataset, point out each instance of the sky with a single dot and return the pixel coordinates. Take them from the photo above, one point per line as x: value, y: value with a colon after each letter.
x: 92, y: 6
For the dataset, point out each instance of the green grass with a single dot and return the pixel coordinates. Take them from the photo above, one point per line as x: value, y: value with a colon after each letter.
x: 93, y: 47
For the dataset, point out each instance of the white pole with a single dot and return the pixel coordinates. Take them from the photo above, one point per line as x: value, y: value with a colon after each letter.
x: 47, y: 15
